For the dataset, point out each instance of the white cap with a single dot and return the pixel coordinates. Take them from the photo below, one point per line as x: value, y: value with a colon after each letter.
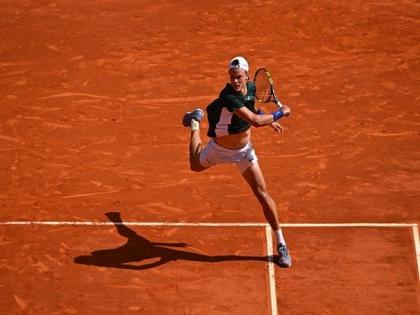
x: 239, y: 63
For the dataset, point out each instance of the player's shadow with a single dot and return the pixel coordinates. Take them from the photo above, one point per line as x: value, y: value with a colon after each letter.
x: 138, y: 249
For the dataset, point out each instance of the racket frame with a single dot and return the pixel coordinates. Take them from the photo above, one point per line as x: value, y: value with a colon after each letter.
x: 273, y: 97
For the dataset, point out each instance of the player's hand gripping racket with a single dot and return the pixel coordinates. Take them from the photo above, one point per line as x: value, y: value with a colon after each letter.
x: 265, y: 93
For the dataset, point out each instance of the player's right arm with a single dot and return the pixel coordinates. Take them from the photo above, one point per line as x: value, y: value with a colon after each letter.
x: 260, y: 119
x: 256, y: 120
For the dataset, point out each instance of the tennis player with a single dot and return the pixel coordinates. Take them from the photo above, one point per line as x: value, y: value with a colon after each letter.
x: 230, y: 118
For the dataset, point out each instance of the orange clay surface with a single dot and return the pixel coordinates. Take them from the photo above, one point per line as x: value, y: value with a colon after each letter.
x: 92, y: 94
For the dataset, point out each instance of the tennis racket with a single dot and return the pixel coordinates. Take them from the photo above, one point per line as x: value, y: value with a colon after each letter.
x: 265, y: 93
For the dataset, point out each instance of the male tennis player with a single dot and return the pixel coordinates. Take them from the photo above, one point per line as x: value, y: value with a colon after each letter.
x: 230, y: 118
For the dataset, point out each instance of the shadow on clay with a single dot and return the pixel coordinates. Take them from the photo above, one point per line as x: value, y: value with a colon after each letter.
x: 139, y: 249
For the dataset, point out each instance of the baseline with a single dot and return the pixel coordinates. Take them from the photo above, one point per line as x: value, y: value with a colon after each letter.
x: 210, y: 224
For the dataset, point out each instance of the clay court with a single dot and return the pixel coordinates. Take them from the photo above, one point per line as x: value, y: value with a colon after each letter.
x: 100, y: 213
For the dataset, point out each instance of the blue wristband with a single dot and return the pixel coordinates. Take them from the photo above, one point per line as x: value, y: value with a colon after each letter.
x: 277, y: 115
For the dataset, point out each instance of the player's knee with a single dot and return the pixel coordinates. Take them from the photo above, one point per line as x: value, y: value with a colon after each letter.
x: 262, y: 193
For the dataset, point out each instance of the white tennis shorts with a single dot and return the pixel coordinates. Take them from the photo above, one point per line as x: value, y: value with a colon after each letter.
x: 214, y: 154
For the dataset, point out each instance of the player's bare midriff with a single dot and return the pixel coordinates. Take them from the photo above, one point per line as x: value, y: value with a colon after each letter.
x: 234, y: 141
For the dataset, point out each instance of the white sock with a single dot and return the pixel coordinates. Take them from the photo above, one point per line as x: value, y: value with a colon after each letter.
x: 195, y: 125
x: 280, y: 238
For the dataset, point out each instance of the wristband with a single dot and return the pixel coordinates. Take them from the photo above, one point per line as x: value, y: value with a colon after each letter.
x: 277, y: 115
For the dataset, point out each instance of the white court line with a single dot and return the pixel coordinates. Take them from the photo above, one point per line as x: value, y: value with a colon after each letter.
x: 94, y: 223
x: 417, y: 247
x: 209, y: 224
x: 271, y: 275
x: 376, y: 225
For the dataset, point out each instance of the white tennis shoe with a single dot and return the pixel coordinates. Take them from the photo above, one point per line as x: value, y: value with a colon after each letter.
x: 285, y: 260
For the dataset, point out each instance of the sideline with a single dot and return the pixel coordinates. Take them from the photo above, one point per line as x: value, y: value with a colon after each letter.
x: 271, y: 274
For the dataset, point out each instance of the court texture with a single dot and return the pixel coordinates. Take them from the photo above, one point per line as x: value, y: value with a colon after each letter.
x: 99, y: 212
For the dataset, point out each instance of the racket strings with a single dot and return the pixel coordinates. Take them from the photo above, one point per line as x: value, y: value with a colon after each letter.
x: 263, y: 87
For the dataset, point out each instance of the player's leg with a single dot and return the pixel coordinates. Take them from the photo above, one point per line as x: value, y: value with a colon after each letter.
x: 254, y: 177
x: 196, y: 146
x: 256, y: 181
x: 192, y: 120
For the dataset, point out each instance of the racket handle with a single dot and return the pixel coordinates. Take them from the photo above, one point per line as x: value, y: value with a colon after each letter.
x: 280, y: 104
